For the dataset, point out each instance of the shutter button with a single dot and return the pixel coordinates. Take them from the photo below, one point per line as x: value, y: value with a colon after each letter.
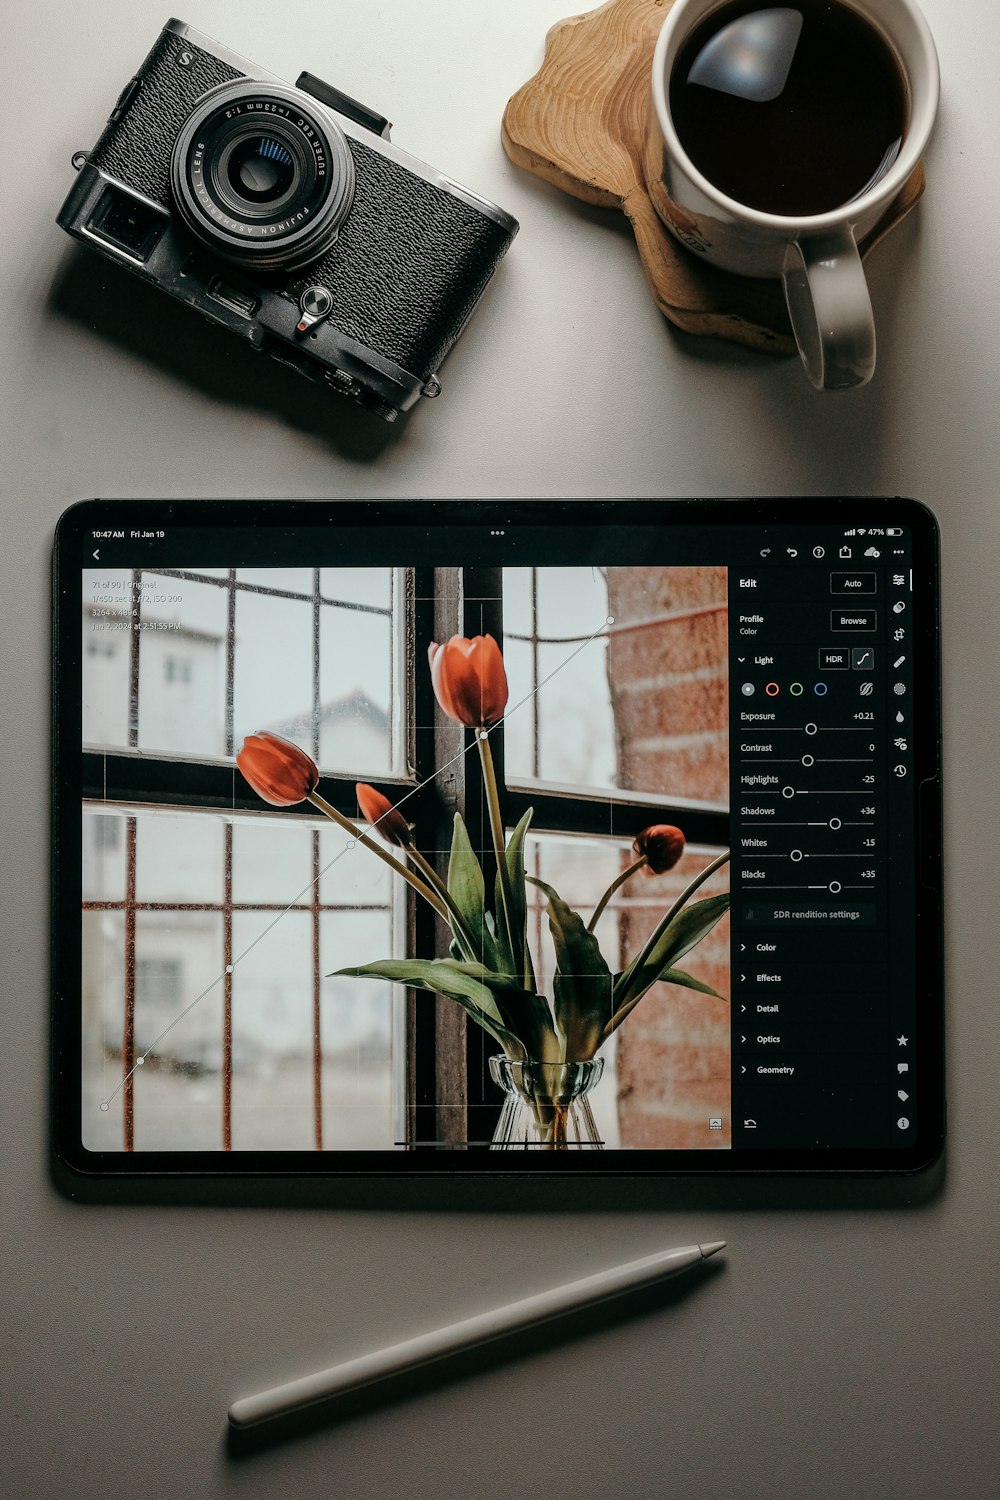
x: 316, y: 304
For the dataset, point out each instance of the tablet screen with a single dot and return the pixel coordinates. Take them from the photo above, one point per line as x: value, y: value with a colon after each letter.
x: 704, y: 736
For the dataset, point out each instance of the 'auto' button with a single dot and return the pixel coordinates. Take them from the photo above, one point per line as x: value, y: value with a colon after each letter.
x: 852, y: 583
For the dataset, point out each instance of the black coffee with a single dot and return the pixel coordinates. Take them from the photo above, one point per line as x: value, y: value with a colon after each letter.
x: 789, y: 110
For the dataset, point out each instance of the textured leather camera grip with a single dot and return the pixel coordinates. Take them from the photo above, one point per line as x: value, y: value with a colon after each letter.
x: 410, y: 264
x: 137, y: 149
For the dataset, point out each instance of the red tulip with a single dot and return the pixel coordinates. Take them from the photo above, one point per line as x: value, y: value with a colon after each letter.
x: 383, y: 817
x: 662, y: 845
x: 469, y: 680
x: 277, y: 770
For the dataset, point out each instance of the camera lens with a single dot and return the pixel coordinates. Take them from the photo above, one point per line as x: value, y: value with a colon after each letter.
x: 262, y: 175
x: 261, y: 170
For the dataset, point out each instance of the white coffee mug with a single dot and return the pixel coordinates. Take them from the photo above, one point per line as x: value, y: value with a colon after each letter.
x: 816, y: 256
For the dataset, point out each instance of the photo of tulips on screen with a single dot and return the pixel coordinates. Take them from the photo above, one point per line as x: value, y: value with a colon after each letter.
x: 324, y: 852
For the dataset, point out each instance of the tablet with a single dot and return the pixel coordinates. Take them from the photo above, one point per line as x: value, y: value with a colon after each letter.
x: 497, y: 837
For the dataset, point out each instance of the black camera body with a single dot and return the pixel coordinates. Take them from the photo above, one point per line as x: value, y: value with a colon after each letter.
x: 287, y: 216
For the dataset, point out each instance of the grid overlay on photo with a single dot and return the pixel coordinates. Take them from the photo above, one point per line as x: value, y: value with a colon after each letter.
x: 217, y: 737
x: 579, y: 805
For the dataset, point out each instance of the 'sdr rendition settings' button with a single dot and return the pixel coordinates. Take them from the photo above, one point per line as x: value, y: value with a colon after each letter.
x: 850, y: 913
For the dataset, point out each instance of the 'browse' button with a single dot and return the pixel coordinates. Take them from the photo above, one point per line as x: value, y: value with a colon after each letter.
x: 853, y: 619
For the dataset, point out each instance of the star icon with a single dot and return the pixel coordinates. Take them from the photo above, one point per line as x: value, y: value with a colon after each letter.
x: 902, y: 1041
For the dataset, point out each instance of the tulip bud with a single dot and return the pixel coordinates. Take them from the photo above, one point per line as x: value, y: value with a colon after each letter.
x: 383, y: 817
x: 277, y: 770
x: 469, y: 680
x: 662, y: 844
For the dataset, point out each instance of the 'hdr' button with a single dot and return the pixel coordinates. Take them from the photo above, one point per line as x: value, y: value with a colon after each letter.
x: 834, y: 658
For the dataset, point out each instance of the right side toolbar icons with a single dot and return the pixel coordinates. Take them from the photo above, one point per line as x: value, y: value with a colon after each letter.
x: 897, y: 605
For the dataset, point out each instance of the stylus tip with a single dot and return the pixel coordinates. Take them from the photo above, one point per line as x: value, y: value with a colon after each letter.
x: 712, y: 1248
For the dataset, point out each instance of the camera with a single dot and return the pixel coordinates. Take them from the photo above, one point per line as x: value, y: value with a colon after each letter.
x: 287, y: 216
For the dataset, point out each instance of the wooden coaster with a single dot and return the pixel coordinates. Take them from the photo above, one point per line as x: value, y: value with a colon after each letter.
x: 580, y: 123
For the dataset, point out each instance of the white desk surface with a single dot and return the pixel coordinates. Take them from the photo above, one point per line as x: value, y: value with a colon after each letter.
x: 848, y: 1347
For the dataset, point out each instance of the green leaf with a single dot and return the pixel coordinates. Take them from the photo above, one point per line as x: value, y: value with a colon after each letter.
x: 467, y: 889
x: 582, y: 987
x: 520, y: 961
x: 688, y: 982
x: 688, y: 928
x: 669, y: 976
x: 456, y: 981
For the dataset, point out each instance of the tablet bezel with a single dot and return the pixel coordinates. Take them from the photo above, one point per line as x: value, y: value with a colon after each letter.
x: 499, y: 515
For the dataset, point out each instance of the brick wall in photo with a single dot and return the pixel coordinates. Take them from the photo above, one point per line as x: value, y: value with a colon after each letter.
x: 668, y: 671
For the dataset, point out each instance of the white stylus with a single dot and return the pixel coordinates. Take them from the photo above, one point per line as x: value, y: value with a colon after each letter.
x: 428, y: 1348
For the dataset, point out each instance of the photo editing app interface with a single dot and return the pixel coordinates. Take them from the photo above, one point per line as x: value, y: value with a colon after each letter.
x: 821, y: 719
x: 698, y: 741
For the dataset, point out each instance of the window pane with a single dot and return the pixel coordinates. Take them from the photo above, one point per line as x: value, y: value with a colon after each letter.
x: 103, y: 855
x: 182, y: 665
x: 292, y: 580
x: 358, y: 1092
x: 520, y: 726
x: 371, y: 586
x: 179, y: 858
x: 643, y: 706
x: 279, y: 971
x: 103, y: 1012
x: 559, y: 725
x: 273, y: 687
x: 273, y: 1107
x: 272, y: 861
x: 107, y: 622
x: 356, y: 690
x: 177, y: 1104
x: 352, y: 876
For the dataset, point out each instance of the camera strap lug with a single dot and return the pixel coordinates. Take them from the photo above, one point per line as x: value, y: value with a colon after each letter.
x: 431, y: 388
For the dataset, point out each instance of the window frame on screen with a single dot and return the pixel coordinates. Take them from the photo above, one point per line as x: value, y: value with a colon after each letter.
x: 449, y: 1095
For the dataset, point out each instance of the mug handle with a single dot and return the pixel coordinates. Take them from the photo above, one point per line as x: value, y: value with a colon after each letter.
x: 830, y: 310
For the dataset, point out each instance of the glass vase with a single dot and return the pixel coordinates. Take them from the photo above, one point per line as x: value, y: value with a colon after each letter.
x: 545, y: 1106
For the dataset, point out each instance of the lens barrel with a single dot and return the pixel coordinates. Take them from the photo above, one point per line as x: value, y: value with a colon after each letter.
x: 261, y: 176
